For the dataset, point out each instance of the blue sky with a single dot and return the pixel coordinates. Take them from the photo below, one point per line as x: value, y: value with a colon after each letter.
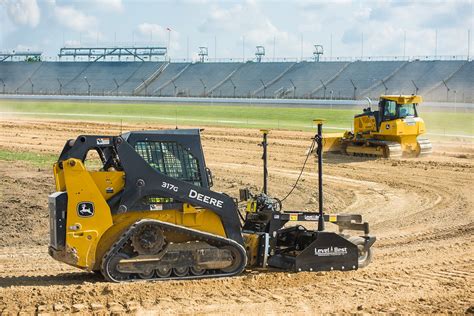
x: 285, y: 28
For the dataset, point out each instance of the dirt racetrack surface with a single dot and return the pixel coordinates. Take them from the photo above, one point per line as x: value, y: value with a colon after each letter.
x: 422, y: 212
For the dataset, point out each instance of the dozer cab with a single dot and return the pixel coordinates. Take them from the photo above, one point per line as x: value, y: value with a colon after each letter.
x: 148, y: 213
x: 391, y: 131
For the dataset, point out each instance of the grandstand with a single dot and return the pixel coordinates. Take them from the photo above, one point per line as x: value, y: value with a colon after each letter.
x: 436, y: 80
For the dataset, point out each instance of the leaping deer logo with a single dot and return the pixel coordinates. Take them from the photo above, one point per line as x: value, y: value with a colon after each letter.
x: 85, y: 209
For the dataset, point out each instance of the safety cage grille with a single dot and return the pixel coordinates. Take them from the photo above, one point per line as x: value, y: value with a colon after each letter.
x: 172, y: 159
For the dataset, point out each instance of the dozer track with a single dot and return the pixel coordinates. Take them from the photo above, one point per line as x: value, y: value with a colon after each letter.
x: 144, y: 253
x: 425, y: 147
x: 374, y: 148
x: 393, y: 150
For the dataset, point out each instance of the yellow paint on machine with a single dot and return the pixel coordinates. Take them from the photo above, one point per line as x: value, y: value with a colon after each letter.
x: 332, y: 142
x: 293, y: 217
x: 88, y: 238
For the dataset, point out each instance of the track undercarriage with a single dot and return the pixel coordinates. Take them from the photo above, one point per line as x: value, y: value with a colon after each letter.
x: 383, y: 148
x: 146, y: 251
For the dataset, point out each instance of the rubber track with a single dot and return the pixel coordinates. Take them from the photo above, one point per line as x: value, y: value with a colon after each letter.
x: 197, y: 235
x: 425, y: 147
x: 394, y: 148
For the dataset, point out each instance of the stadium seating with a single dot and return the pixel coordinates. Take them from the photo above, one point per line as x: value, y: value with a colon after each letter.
x: 435, y: 80
x: 15, y: 76
x: 249, y: 77
x: 460, y: 84
x: 417, y: 74
x: 190, y: 82
x: 364, y: 75
x: 306, y: 77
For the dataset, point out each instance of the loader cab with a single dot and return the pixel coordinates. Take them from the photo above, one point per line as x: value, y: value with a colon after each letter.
x: 397, y: 107
x: 176, y: 153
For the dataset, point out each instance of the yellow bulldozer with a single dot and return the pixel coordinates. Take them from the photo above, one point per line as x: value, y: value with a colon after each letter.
x: 392, y: 131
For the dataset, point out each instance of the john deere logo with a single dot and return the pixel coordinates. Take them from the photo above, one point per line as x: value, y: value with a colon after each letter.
x: 85, y: 209
x: 387, y: 126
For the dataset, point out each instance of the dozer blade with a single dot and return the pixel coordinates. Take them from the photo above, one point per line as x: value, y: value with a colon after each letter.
x: 332, y: 142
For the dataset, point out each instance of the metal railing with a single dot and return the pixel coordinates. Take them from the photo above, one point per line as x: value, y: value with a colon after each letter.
x: 282, y: 59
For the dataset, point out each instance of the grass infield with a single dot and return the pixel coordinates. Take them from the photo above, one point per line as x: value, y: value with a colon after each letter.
x: 437, y: 122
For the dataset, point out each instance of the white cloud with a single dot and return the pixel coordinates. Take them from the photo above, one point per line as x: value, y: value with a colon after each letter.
x: 154, y: 30
x: 113, y: 5
x: 362, y: 13
x: 23, y: 47
x: 158, y: 33
x: 23, y: 12
x: 336, y: 24
x: 253, y: 24
x: 72, y: 43
x: 75, y: 19
x: 384, y: 22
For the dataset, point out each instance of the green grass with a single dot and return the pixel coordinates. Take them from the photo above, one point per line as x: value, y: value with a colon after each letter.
x: 36, y: 159
x: 440, y: 122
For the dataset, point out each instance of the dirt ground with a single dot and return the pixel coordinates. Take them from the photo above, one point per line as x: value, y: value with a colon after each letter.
x: 422, y: 212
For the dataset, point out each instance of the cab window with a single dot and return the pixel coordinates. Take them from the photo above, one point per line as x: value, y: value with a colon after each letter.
x: 390, y: 110
x: 171, y: 159
x: 407, y: 110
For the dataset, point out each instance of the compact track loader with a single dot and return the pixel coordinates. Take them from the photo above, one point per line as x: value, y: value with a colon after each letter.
x: 149, y: 213
x: 392, y: 131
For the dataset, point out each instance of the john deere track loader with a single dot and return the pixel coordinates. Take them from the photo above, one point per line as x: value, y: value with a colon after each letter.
x: 391, y: 131
x: 148, y: 212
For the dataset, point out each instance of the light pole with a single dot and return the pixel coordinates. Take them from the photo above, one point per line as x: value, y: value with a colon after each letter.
x: 294, y: 89
x: 169, y: 42
x: 264, y: 88
x: 146, y: 92
x: 203, y: 86
x: 447, y: 90
x: 32, y: 85
x: 416, y: 87
x: 324, y: 86
x: 385, y: 86
x: 60, y: 86
x: 233, y: 85
x: 117, y: 87
x: 455, y: 100
x: 88, y: 86
x: 3, y: 83
x: 175, y: 87
x: 355, y: 89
